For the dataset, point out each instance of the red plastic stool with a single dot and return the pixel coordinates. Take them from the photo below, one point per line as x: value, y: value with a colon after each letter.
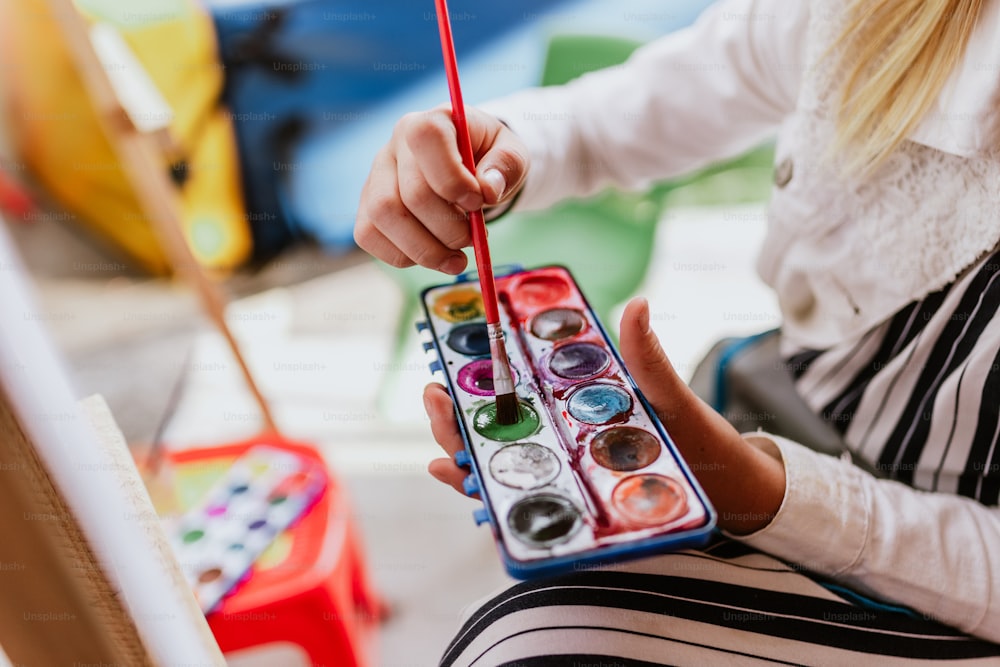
x: 310, y: 589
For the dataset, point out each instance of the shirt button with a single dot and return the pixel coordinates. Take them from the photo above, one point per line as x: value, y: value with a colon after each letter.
x: 783, y: 172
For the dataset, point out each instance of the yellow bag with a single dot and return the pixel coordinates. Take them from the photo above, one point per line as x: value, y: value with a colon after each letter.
x: 59, y: 135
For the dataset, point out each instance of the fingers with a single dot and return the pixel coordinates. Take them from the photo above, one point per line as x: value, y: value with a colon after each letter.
x: 386, y: 229
x: 445, y: 470
x: 446, y: 222
x: 444, y: 426
x: 432, y: 138
x: 502, y: 166
x: 414, y: 202
x: 501, y: 157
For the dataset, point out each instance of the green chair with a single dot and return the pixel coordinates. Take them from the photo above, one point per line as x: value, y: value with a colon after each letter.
x: 606, y: 240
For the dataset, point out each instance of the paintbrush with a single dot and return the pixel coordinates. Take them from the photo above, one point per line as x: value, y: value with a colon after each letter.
x: 508, y: 411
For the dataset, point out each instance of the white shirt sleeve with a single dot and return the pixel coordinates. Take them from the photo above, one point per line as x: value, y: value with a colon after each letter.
x: 936, y: 553
x: 693, y: 97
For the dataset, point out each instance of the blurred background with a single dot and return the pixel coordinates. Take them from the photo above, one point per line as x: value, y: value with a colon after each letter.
x: 267, y: 117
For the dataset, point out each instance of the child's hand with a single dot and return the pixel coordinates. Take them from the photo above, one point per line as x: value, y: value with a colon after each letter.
x: 439, y: 408
x: 414, y: 202
x: 745, y: 484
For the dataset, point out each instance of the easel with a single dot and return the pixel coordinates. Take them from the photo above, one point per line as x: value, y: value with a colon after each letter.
x: 142, y: 155
x: 60, y: 608
x: 59, y: 605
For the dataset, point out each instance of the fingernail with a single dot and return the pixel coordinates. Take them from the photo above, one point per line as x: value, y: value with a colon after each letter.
x: 496, y: 181
x: 454, y: 265
x: 470, y: 202
x: 644, y: 316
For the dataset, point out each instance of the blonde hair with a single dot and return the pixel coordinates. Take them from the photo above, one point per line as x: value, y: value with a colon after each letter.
x: 895, y: 56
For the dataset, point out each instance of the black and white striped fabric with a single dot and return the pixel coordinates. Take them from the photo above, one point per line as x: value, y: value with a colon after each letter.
x: 725, y: 605
x: 918, y: 398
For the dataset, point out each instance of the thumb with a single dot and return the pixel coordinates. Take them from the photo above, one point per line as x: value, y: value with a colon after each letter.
x: 501, y: 161
x: 648, y: 363
x: 686, y: 417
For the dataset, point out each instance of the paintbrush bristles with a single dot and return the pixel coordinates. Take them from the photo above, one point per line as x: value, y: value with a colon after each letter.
x: 508, y: 411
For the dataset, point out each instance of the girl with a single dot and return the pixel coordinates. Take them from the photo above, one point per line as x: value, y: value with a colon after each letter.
x: 882, y: 249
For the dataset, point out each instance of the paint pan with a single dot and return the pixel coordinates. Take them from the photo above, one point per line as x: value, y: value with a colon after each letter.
x: 625, y: 449
x: 541, y: 290
x: 600, y: 403
x: 459, y: 304
x: 485, y: 422
x: 579, y: 361
x: 476, y: 377
x: 558, y: 323
x: 649, y: 500
x: 524, y: 466
x: 470, y: 339
x: 544, y: 520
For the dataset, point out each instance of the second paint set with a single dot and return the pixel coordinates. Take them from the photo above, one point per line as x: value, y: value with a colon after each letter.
x: 588, y: 474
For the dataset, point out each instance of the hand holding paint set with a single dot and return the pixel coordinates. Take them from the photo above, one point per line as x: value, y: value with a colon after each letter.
x: 587, y: 474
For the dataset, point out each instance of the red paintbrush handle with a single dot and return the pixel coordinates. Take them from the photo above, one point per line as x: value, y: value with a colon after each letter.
x: 454, y: 87
x: 484, y: 266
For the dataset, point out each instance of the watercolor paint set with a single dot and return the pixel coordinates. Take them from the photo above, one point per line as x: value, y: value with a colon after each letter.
x: 588, y: 474
x: 218, y: 540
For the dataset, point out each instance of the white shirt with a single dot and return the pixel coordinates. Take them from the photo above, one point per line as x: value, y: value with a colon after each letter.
x: 842, y: 256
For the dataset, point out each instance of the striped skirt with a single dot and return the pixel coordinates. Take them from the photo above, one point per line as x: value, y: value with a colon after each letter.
x: 725, y: 605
